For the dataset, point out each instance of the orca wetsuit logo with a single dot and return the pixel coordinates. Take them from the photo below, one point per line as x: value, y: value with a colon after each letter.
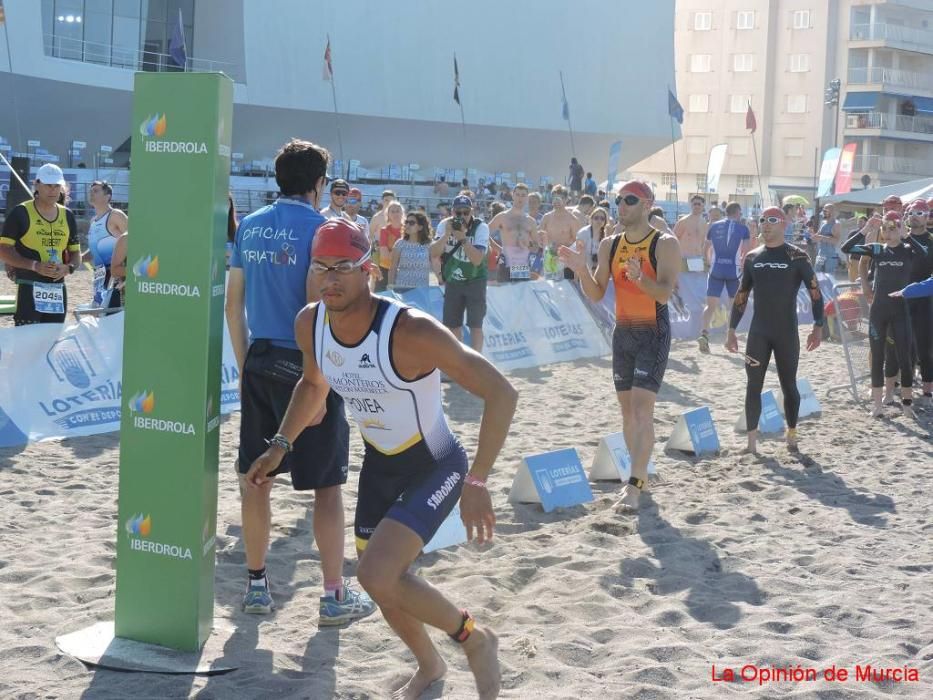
x: 773, y: 266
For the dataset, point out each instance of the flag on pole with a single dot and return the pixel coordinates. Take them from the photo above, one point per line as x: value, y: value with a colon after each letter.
x: 176, y: 46
x: 674, y: 107
x: 750, y: 122
x: 565, y: 106
x: 328, y: 70
x: 456, y: 81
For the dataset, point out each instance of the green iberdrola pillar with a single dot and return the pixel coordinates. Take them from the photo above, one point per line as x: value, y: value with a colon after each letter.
x: 172, y: 346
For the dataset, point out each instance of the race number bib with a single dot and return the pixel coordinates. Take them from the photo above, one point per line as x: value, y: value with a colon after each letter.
x: 519, y: 272
x: 100, y: 276
x: 48, y: 298
x: 695, y: 264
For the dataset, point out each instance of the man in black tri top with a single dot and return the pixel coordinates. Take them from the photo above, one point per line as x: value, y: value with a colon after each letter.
x: 776, y: 271
x: 385, y: 360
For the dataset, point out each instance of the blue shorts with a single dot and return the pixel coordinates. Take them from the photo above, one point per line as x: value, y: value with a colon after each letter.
x: 412, y: 488
x: 714, y: 286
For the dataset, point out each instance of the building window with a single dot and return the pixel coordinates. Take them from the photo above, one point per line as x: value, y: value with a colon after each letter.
x: 745, y: 19
x: 738, y: 147
x: 742, y: 62
x: 801, y: 19
x: 696, y: 145
x: 701, y: 183
x: 799, y: 62
x: 796, y: 104
x: 699, y: 103
x: 793, y: 148
x: 744, y: 181
x: 738, y: 104
x: 667, y: 179
x: 701, y: 63
x: 703, y: 21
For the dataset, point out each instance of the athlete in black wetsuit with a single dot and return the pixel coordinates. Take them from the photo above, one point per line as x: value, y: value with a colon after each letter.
x: 921, y: 310
x: 776, y: 271
x: 893, y: 262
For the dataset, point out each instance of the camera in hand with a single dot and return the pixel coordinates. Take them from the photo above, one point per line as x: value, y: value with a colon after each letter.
x: 457, y: 223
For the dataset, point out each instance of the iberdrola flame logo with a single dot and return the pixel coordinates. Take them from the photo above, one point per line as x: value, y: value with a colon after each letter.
x: 139, y: 526
x: 153, y: 126
x: 147, y: 267
x: 143, y: 402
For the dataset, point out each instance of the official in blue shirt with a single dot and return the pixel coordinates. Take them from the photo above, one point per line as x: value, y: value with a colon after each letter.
x: 729, y: 240
x: 270, y: 282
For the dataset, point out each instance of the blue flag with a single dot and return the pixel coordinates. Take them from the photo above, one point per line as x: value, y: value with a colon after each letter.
x: 674, y: 108
x: 176, y: 46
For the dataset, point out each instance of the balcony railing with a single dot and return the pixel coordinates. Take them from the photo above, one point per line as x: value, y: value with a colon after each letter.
x: 892, y: 164
x: 892, y: 76
x: 130, y: 58
x: 891, y: 122
x: 878, y: 31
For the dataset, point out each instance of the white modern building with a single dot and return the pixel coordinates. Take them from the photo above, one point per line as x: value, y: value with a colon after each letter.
x: 67, y: 67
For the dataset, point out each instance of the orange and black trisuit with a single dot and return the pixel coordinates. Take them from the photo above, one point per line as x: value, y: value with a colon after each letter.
x: 642, y: 338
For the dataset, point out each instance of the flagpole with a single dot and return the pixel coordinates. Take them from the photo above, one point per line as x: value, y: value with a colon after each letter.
x: 676, y: 182
x: 457, y: 97
x: 573, y: 148
x: 333, y: 90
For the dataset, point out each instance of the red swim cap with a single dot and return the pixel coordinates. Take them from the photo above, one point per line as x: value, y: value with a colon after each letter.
x: 920, y: 205
x: 892, y: 217
x: 773, y: 211
x: 338, y: 238
x: 892, y: 202
x: 638, y: 188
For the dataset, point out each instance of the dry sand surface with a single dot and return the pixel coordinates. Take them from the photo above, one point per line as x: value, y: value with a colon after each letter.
x: 814, y: 560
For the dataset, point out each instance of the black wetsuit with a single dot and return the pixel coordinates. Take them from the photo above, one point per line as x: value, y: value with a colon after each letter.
x: 893, y: 267
x: 776, y: 275
x: 921, y: 310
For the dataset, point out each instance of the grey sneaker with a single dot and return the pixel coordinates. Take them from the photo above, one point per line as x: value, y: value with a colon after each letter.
x: 354, y: 606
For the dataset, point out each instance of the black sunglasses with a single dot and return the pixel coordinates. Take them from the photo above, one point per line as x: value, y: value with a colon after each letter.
x: 629, y: 200
x: 339, y: 193
x: 411, y: 222
x: 770, y: 220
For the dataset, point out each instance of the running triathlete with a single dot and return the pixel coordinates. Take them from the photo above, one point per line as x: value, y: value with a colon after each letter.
x: 921, y: 310
x: 643, y: 264
x: 40, y: 242
x: 105, y: 230
x: 385, y: 360
x: 893, y: 262
x: 775, y: 271
x: 729, y: 240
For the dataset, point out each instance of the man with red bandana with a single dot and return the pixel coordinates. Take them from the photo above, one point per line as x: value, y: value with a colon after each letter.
x: 643, y: 264
x: 775, y: 271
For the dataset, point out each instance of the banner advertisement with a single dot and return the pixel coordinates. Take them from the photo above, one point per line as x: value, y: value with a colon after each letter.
x: 828, y: 171
x: 717, y: 158
x: 172, y: 344
x: 844, y: 176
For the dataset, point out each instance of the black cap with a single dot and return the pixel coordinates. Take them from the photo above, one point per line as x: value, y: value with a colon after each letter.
x: 338, y: 184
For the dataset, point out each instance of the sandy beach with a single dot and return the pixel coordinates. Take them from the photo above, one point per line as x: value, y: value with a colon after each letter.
x: 817, y: 560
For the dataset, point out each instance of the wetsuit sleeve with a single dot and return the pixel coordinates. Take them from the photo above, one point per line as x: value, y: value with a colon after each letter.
x: 808, y: 276
x: 857, y: 238
x: 15, y: 226
x: 919, y: 289
x: 870, y: 250
x: 74, y: 246
x: 741, y: 297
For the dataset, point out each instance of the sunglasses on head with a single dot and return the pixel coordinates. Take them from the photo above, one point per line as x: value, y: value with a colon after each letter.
x: 629, y: 200
x: 770, y: 220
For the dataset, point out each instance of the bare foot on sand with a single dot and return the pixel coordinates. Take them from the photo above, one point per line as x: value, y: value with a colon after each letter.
x: 421, y: 681
x: 631, y: 497
x: 482, y: 652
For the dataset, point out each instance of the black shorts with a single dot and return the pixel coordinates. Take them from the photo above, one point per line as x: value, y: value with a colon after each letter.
x: 465, y: 296
x: 26, y: 313
x: 412, y: 488
x: 321, y: 453
x: 639, y: 356
x: 568, y: 274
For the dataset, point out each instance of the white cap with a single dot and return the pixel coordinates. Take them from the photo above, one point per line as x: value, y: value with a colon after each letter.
x: 50, y: 174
